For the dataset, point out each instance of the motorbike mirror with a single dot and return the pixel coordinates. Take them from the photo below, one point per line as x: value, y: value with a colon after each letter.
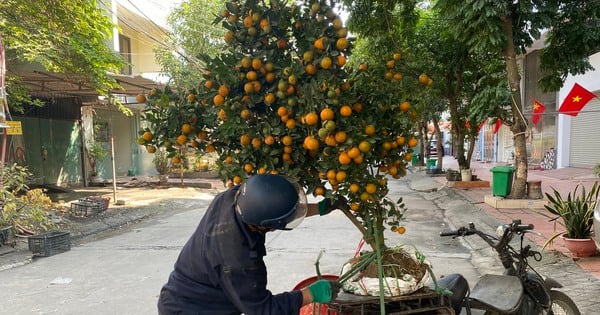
x: 500, y: 229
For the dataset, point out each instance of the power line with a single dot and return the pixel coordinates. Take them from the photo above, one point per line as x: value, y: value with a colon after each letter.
x: 188, y: 59
x: 161, y: 29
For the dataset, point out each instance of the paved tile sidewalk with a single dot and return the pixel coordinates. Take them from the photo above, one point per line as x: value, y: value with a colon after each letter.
x: 563, y: 180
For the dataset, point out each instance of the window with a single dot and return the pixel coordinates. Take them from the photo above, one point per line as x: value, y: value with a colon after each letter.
x: 125, y: 49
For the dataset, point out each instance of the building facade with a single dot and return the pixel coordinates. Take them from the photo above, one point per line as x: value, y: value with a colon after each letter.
x: 55, y: 141
x: 557, y: 140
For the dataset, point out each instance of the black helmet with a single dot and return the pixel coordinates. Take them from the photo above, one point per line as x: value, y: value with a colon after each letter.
x: 271, y: 201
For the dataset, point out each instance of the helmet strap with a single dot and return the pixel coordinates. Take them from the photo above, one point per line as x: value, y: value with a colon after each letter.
x: 259, y: 229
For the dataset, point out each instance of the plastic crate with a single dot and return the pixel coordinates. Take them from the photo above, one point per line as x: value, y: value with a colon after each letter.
x: 84, y: 208
x: 5, y: 234
x: 51, y: 243
x: 102, y: 201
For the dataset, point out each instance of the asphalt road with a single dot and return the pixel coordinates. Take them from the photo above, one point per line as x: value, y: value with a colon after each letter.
x: 122, y: 272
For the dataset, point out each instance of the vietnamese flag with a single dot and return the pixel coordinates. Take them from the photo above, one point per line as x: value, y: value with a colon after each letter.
x: 468, y: 125
x: 538, y: 109
x: 575, y: 100
x: 497, y: 125
x: 481, y: 125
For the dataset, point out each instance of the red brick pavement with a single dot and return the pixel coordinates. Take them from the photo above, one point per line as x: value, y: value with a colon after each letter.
x: 563, y: 180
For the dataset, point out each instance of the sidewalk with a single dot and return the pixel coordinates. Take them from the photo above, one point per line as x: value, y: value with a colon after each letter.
x: 563, y: 180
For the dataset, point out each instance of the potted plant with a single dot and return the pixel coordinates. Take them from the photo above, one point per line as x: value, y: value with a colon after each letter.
x: 22, y: 210
x: 576, y: 212
x: 161, y: 163
x: 6, y: 227
x: 314, y: 130
x: 14, y: 179
x: 96, y: 152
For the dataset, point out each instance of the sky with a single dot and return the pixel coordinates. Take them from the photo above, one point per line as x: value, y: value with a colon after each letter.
x: 156, y: 10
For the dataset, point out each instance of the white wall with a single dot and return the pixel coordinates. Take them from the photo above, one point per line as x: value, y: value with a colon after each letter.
x: 591, y: 82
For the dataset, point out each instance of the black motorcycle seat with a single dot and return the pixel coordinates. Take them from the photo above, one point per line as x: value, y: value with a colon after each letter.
x: 503, y: 293
x: 459, y: 287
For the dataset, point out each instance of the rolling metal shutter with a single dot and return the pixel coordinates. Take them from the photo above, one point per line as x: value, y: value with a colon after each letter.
x: 585, y: 136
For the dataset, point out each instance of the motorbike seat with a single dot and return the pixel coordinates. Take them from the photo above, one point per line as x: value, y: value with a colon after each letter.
x: 502, y: 293
x: 459, y: 287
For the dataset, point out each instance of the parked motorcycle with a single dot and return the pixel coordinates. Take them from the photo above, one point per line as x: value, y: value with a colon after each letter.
x: 520, y: 290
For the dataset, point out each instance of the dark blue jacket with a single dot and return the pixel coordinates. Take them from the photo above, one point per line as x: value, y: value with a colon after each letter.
x: 220, y: 270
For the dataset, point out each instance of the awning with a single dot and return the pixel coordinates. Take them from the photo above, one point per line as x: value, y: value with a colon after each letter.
x: 44, y: 83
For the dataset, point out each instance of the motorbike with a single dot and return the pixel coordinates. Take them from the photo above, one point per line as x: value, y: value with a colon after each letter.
x: 520, y: 290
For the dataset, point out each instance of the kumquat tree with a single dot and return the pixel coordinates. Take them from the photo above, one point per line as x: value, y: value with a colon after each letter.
x: 282, y: 100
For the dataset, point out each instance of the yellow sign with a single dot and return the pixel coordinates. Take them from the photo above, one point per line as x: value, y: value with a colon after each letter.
x: 15, y: 128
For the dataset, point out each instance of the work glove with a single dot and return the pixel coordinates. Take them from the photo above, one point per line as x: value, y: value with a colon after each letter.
x: 327, y: 205
x: 324, y: 291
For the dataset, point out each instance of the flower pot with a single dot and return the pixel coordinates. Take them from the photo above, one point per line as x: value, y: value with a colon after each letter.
x: 315, y: 308
x: 97, y: 181
x: 452, y: 175
x: 580, y: 247
x: 534, y: 189
x: 404, y: 274
x: 5, y: 234
x: 466, y: 175
x: 163, y: 179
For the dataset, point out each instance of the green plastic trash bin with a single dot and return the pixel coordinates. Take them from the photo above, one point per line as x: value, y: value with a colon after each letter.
x: 415, y: 159
x: 501, y: 180
x: 431, y: 163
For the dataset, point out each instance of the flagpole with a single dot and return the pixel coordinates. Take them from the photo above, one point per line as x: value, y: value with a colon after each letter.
x: 3, y: 113
x: 542, y: 138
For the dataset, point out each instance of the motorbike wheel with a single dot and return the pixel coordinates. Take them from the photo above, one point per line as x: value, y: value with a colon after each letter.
x: 563, y: 304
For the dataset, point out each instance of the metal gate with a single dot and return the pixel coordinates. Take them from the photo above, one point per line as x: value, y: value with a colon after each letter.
x: 585, y: 136
x: 52, y: 150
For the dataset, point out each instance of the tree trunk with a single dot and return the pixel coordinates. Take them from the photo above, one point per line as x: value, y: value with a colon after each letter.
x: 470, y: 151
x: 423, y: 136
x: 519, y: 126
x: 459, y: 137
x: 439, y: 145
x: 458, y: 126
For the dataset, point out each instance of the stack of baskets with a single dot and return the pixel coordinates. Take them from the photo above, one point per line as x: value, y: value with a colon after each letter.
x: 90, y: 205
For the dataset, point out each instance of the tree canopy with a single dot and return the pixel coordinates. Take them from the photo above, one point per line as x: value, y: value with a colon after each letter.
x: 68, y: 36
x: 509, y: 28
x: 193, y: 35
x: 571, y: 28
x: 485, y: 31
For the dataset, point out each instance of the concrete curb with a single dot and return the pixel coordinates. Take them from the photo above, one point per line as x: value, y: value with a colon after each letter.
x: 21, y: 255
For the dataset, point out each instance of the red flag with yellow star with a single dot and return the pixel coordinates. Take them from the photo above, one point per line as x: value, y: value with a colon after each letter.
x: 575, y: 100
x: 538, y: 109
x: 497, y: 125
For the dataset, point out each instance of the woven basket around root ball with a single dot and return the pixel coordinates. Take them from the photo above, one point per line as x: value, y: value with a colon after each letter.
x: 404, y: 274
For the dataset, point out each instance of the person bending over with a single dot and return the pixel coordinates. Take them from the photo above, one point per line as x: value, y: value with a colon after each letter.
x: 220, y: 270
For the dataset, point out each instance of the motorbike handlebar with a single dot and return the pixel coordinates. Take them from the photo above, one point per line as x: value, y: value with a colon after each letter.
x: 523, y: 227
x: 462, y: 231
x: 507, y: 254
x: 449, y: 233
x: 514, y: 227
